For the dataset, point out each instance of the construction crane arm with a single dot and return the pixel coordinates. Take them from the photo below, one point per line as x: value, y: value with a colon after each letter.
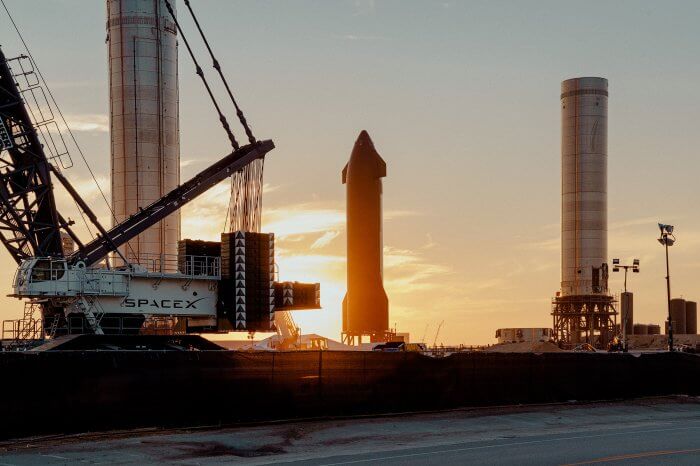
x: 29, y: 221
x: 148, y: 216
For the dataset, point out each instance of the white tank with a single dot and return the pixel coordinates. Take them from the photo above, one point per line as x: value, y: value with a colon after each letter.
x: 145, y: 146
x: 584, y: 159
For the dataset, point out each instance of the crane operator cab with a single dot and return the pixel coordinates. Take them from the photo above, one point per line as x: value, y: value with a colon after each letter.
x: 34, y: 273
x: 53, y: 277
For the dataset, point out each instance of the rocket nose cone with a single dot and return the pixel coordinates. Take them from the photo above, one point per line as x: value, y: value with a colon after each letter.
x: 364, y: 141
x: 366, y: 158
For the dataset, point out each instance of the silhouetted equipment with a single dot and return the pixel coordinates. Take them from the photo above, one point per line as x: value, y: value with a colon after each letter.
x: 365, y: 306
x: 247, y: 294
x: 295, y: 296
x: 691, y: 317
x: 641, y: 329
x: 523, y: 334
x: 627, y: 312
x: 189, y: 248
x: 678, y: 315
x: 653, y: 329
x: 437, y: 333
x: 584, y: 312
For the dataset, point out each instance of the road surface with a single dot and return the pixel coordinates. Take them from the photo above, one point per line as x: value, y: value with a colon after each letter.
x: 652, y: 431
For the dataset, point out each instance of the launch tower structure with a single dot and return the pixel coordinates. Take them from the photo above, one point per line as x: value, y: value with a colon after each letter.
x: 583, y: 311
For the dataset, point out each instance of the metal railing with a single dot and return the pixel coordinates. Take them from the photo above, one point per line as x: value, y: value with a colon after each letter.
x: 190, y: 266
x: 51, y: 277
x: 41, y: 111
x: 21, y: 330
x: 159, y: 326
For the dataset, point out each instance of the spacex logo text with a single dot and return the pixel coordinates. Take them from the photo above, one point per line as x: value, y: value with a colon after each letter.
x: 161, y: 303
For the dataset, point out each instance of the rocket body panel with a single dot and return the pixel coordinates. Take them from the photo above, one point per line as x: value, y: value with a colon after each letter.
x: 366, y: 306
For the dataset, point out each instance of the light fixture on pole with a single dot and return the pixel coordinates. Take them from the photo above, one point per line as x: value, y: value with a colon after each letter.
x: 634, y: 267
x: 626, y: 299
x: 667, y: 239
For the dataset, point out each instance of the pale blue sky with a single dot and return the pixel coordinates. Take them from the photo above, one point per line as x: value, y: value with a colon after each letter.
x: 462, y: 101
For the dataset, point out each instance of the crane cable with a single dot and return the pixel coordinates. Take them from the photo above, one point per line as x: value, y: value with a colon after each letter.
x: 217, y: 67
x: 200, y: 73
x: 245, y: 203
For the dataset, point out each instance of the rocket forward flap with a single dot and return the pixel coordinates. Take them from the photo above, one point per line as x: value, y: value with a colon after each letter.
x: 365, y: 158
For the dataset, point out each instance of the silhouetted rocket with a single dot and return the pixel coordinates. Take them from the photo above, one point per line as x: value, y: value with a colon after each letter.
x: 365, y: 307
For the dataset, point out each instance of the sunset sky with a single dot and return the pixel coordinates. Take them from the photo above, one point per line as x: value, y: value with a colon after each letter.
x: 462, y: 102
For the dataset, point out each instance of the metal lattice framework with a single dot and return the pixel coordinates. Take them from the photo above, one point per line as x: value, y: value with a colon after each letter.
x: 29, y: 222
x: 588, y: 319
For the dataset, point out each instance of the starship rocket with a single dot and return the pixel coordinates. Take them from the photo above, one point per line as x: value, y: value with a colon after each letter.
x: 365, y: 307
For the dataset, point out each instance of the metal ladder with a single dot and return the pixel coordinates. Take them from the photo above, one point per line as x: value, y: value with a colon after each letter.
x: 54, y: 326
x: 93, y: 319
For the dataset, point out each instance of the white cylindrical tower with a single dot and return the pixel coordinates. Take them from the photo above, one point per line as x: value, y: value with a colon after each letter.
x: 584, y: 158
x: 145, y: 146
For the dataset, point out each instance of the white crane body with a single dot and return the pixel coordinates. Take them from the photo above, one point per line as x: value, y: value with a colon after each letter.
x: 135, y: 290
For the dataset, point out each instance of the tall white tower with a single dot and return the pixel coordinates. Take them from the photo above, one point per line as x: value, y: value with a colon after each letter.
x: 584, y: 179
x: 584, y: 311
x: 145, y: 143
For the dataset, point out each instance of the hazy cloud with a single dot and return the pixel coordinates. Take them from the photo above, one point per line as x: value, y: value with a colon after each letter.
x: 325, y: 240
x: 361, y: 37
x: 364, y: 7
x: 302, y: 219
x: 88, y: 122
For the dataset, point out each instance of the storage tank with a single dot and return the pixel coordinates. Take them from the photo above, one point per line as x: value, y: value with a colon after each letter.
x: 584, y: 185
x: 145, y: 147
x: 641, y: 329
x: 654, y: 329
x: 691, y: 317
x: 678, y: 315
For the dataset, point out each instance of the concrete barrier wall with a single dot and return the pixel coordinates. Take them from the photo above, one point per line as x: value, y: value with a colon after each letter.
x: 67, y: 391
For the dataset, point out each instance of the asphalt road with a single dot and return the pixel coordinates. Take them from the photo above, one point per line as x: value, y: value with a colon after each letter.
x: 678, y: 445
x: 653, y: 431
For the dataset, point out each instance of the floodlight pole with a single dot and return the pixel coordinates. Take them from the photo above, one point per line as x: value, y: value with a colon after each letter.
x: 623, y: 323
x: 668, y: 296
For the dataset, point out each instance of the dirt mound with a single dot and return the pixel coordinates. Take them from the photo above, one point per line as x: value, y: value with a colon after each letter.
x: 525, y: 347
x: 660, y: 342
